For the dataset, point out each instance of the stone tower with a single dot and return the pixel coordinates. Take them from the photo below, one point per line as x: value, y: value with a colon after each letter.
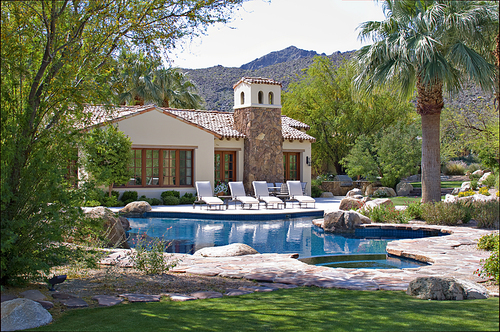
x: 257, y: 114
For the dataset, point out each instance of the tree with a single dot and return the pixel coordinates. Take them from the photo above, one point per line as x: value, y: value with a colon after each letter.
x: 54, y: 59
x: 430, y: 46
x: 140, y: 79
x: 107, y: 154
x: 323, y: 98
x: 391, y: 154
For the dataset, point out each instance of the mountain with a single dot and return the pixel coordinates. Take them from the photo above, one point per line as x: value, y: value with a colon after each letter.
x: 215, y: 84
x: 288, y: 54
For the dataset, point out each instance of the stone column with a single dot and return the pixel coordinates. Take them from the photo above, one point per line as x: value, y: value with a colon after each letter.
x: 263, y: 152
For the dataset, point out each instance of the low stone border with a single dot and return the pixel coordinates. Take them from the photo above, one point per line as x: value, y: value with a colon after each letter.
x: 440, y: 251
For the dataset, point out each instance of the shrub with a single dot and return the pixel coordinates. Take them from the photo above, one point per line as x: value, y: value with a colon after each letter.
x: 155, y: 201
x: 380, y: 194
x: 385, y: 214
x: 188, y: 198
x: 486, y: 213
x: 170, y: 193
x: 489, y: 181
x: 149, y: 257
x: 129, y: 196
x: 112, y: 201
x: 145, y: 199
x: 414, y: 210
x: 473, y: 167
x: 92, y: 203
x: 473, y: 177
x: 455, y: 167
x: 450, y: 214
x: 474, y: 184
x: 316, y: 191
x: 490, y: 266
x: 171, y: 200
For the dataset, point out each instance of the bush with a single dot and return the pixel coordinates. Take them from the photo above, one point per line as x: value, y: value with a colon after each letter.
x: 155, y: 201
x: 474, y: 184
x: 450, y: 214
x: 473, y: 177
x: 187, y: 198
x: 385, y: 214
x: 92, y: 203
x: 145, y: 199
x: 455, y: 167
x: 171, y: 200
x: 150, y: 258
x: 129, y: 196
x: 112, y: 201
x: 170, y: 193
x: 490, y: 266
x: 316, y: 191
x: 489, y: 181
x: 414, y: 210
x: 473, y: 167
x: 486, y: 213
x: 380, y: 194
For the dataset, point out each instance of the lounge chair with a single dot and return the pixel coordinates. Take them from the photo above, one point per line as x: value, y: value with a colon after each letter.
x: 262, y: 194
x: 238, y: 195
x: 205, y: 195
x: 295, y: 192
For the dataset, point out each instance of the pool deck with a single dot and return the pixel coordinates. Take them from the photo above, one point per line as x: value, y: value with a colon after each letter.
x: 449, y: 256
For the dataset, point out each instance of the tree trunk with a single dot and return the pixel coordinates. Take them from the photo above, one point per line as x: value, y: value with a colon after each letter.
x: 429, y: 106
x: 431, y: 163
x: 110, y: 190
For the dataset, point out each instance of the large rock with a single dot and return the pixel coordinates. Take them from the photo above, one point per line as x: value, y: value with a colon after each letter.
x: 445, y: 288
x: 114, y: 232
x: 136, y: 208
x: 354, y: 192
x: 235, y: 249
x: 404, y: 188
x: 478, y: 172
x: 370, y: 189
x: 348, y: 203
x: 377, y: 202
x: 125, y: 223
x: 466, y: 186
x: 22, y: 314
x: 385, y: 192
x: 343, y: 221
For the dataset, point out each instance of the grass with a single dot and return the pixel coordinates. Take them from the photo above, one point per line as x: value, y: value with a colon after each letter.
x: 300, y: 309
x: 444, y: 184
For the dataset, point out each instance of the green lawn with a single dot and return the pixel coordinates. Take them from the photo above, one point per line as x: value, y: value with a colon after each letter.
x: 444, y: 184
x: 300, y: 309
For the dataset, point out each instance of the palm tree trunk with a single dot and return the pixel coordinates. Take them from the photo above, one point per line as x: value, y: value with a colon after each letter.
x: 429, y: 106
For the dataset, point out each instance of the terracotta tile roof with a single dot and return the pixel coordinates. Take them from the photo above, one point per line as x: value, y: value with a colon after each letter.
x: 220, y: 124
x: 257, y: 80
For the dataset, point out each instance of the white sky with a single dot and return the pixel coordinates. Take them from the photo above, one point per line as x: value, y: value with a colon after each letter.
x: 262, y: 26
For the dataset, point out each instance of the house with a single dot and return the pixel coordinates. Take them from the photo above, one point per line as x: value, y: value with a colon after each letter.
x: 173, y: 148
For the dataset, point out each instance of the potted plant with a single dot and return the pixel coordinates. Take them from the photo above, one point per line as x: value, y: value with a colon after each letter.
x: 221, y: 188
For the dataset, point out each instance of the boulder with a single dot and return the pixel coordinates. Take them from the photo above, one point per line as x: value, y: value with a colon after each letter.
x: 348, y: 203
x: 385, y: 192
x: 484, y: 177
x: 21, y: 314
x: 370, y: 189
x: 354, y: 192
x: 455, y: 191
x: 450, y: 198
x: 377, y: 202
x: 326, y: 194
x: 343, y: 221
x: 113, y: 229
x: 445, y: 288
x: 136, y: 208
x: 482, y: 198
x: 235, y: 249
x: 404, y: 188
x: 360, y: 197
x: 466, y: 186
x: 478, y: 172
x: 125, y: 223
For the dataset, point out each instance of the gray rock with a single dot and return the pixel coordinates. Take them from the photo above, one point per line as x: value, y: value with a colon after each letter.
x: 484, y: 177
x: 136, y: 208
x: 450, y: 198
x: 234, y: 249
x: 354, y: 192
x: 206, y: 295
x: 436, y: 288
x: 33, y: 294
x: 113, y: 228
x: 343, y: 221
x: 326, y: 194
x: 478, y: 172
x: 465, y: 186
x: 473, y: 291
x: 21, y: 314
x: 107, y: 300
x: 404, y: 188
x: 348, y: 203
x: 125, y: 223
x: 73, y: 303
x: 7, y: 297
x: 141, y: 297
x: 385, y: 192
x: 455, y: 191
x: 377, y: 202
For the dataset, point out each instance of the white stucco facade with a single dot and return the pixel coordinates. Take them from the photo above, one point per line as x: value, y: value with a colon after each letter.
x: 247, y: 95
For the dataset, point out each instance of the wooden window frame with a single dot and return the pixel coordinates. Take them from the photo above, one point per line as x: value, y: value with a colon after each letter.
x: 286, y: 168
x: 221, y: 170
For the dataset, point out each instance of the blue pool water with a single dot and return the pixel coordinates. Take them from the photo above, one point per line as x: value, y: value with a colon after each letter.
x: 297, y: 235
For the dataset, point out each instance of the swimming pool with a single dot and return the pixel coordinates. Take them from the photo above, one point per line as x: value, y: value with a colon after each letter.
x: 295, y: 235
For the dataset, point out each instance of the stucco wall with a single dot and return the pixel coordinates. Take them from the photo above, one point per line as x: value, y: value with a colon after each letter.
x: 304, y: 148
x: 157, y: 130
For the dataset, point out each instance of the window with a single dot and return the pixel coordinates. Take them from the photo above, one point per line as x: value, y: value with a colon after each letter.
x: 271, y: 101
x: 242, y: 98
x: 291, y: 166
x: 260, y: 97
x: 225, y: 166
x: 161, y: 168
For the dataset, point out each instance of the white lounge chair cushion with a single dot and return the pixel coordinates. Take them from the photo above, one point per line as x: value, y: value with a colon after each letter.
x: 247, y: 200
x: 271, y: 200
x: 304, y: 199
x: 212, y: 200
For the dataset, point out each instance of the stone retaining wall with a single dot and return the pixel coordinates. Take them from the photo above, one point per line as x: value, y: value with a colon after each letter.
x: 337, y: 190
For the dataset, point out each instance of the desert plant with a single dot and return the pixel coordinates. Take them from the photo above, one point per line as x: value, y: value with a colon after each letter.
x: 489, y: 181
x: 385, y: 214
x: 171, y: 200
x: 484, y: 191
x: 474, y: 184
x: 455, y: 167
x: 414, y: 210
x: 473, y: 167
x: 380, y: 194
x: 490, y: 266
x: 150, y: 258
x: 440, y: 213
x: 486, y: 213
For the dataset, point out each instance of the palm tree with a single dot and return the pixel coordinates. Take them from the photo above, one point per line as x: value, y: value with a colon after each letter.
x: 431, y: 46
x: 173, y: 89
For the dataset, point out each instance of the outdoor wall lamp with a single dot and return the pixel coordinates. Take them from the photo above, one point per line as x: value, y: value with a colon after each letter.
x: 308, y: 161
x: 56, y: 280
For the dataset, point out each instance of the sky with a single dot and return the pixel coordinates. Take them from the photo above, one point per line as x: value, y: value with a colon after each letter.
x: 263, y: 26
